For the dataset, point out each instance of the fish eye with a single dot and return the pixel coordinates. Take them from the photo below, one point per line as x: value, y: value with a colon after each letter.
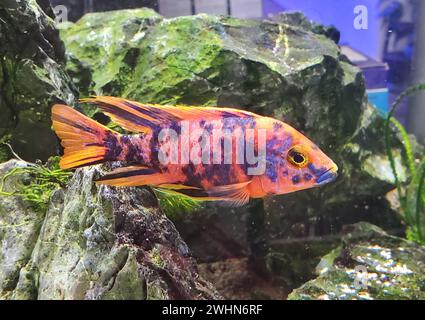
x: 298, y: 157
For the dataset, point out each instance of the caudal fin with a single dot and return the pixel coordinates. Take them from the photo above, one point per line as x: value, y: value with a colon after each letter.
x: 86, y: 141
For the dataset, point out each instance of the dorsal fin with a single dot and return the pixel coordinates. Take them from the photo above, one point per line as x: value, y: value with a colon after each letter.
x: 138, y: 117
x: 123, y: 114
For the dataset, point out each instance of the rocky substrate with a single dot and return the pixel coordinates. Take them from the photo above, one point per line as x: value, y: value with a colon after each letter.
x: 368, y: 265
x: 92, y: 243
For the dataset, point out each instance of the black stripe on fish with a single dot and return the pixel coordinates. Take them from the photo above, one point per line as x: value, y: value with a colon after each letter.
x: 127, y: 174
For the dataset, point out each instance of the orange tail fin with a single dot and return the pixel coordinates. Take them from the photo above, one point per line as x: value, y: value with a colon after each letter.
x: 86, y: 141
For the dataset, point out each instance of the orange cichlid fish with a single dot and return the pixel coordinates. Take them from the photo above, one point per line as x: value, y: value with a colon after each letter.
x: 207, y: 154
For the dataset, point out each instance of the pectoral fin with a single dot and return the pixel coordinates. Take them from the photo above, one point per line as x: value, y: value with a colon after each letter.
x: 235, y: 194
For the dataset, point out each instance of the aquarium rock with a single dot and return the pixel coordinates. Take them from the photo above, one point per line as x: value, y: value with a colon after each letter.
x: 94, y: 242
x: 369, y: 264
x: 32, y: 77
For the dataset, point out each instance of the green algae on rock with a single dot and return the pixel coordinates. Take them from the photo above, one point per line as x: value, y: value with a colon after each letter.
x: 368, y: 265
x: 31, y: 78
x: 103, y: 43
x: 93, y: 243
x: 41, y: 181
x: 20, y: 225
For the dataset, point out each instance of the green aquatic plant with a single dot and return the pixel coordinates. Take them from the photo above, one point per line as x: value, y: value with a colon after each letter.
x: 174, y: 205
x: 412, y: 196
x: 44, y: 179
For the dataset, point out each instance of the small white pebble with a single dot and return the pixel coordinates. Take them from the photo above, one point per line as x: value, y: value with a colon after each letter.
x: 401, y: 269
x: 386, y: 254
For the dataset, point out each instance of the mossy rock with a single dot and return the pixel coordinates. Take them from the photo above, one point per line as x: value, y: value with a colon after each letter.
x: 93, y: 242
x: 32, y: 78
x: 103, y: 44
x: 368, y: 265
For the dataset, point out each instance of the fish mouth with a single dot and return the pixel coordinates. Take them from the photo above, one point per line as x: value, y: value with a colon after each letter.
x: 328, y: 176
